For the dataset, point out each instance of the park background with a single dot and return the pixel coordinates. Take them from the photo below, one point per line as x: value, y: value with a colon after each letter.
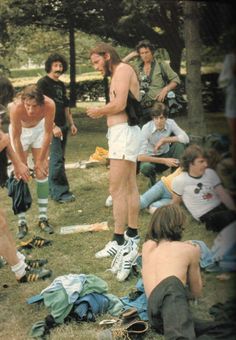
x: 195, y: 36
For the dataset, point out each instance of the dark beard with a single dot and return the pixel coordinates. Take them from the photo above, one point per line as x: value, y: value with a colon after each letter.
x: 107, y: 68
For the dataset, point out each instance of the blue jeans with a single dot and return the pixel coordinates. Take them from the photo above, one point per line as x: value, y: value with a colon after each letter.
x: 156, y: 196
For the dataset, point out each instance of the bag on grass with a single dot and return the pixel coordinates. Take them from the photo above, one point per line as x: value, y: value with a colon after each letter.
x: 20, y: 194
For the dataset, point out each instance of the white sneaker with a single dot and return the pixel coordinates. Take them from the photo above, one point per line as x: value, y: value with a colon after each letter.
x: 108, y: 202
x: 135, y: 239
x: 117, y: 261
x: 130, y: 254
x: 110, y: 249
x: 151, y: 210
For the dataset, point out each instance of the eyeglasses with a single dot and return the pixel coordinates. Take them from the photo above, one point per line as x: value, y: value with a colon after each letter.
x: 198, y: 189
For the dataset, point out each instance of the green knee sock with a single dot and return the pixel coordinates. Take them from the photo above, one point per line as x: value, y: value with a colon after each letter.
x: 42, y: 193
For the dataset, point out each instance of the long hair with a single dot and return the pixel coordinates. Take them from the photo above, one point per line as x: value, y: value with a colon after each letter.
x: 52, y: 59
x: 166, y: 224
x: 103, y: 48
x: 3, y: 167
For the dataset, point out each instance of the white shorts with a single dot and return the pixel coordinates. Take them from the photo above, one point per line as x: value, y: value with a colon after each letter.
x: 124, y: 142
x: 31, y: 137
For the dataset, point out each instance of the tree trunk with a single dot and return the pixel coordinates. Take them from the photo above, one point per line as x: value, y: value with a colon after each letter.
x: 72, y: 63
x: 196, y: 119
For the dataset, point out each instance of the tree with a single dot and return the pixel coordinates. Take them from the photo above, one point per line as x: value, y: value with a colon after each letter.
x: 193, y: 67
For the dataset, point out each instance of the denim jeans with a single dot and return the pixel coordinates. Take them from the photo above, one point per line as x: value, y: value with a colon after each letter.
x: 156, y: 196
x: 58, y: 183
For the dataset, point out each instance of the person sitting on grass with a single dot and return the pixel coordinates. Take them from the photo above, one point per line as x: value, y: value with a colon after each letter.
x: 8, y: 250
x: 201, y: 190
x: 159, y: 194
x: 168, y: 266
x: 162, y: 144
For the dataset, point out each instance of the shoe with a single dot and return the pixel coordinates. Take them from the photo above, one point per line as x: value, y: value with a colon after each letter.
x: 33, y: 275
x: 35, y: 242
x: 130, y: 254
x: 110, y: 249
x: 66, y: 198
x: 108, y: 202
x: 45, y: 226
x: 135, y: 239
x: 36, y: 263
x: 117, y: 261
x: 151, y: 210
x: 23, y: 230
x: 132, y: 330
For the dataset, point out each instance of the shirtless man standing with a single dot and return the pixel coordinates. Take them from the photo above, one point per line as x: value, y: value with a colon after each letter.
x: 124, y: 143
x: 32, y: 118
x: 168, y: 265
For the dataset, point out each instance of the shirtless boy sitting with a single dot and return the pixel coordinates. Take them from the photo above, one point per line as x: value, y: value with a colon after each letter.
x: 31, y: 124
x: 168, y: 266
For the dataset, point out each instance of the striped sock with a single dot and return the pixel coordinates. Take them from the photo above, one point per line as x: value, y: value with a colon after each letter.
x: 21, y: 218
x: 42, y: 193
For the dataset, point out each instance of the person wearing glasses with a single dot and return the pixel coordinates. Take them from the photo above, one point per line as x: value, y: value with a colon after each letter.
x: 201, y: 191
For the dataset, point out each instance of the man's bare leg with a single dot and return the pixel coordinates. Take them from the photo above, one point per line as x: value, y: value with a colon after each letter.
x: 133, y: 197
x: 119, y: 175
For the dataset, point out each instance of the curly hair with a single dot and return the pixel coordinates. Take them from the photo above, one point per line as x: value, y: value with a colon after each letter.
x: 166, y: 224
x: 145, y: 44
x: 52, y: 59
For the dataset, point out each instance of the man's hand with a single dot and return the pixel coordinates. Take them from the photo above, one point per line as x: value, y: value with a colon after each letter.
x: 21, y: 171
x: 73, y: 129
x: 171, y: 162
x: 57, y: 132
x: 159, y: 144
x: 41, y: 169
x: 161, y: 96
x: 94, y: 113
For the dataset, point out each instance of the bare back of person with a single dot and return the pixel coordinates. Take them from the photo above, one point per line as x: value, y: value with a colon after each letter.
x: 165, y: 259
x: 124, y: 79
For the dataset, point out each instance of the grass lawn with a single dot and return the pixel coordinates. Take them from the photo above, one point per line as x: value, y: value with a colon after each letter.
x: 75, y: 253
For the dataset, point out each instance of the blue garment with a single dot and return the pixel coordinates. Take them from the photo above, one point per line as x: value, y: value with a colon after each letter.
x: 140, y: 303
x: 93, y: 302
x: 222, y: 255
x: 157, y: 196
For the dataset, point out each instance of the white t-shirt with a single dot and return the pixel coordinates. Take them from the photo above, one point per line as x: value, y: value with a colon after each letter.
x: 198, y: 193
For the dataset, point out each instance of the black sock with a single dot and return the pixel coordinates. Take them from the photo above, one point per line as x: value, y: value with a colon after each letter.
x: 119, y: 238
x: 132, y: 232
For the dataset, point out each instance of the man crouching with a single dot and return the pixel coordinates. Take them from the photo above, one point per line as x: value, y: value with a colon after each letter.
x: 168, y: 266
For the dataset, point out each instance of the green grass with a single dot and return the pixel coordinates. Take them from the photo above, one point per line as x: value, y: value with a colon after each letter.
x: 75, y: 253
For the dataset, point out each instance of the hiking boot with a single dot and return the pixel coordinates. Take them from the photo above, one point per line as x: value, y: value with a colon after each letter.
x: 110, y: 249
x: 36, y: 263
x: 135, y: 239
x: 130, y: 254
x: 33, y: 275
x: 45, y: 226
x: 23, y: 230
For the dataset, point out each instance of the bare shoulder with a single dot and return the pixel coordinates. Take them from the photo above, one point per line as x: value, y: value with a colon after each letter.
x: 16, y: 108
x: 149, y: 246
x: 49, y: 102
x: 193, y: 250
